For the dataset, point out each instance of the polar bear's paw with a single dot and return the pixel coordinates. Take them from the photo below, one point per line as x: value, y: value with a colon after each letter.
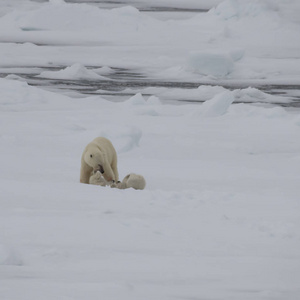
x: 115, y: 185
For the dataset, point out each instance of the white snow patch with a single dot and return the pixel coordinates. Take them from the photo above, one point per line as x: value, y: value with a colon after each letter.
x: 103, y: 70
x: 153, y: 100
x: 124, y: 138
x: 9, y: 257
x: 230, y: 181
x: 211, y: 63
x: 217, y: 106
x: 141, y: 106
x: 137, y: 99
x: 254, y: 95
x: 236, y: 9
x: 76, y: 71
x: 59, y: 15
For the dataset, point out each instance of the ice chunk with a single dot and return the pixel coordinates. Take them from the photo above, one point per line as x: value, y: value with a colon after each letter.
x: 254, y: 95
x: 217, y: 64
x: 236, y: 9
x: 237, y: 54
x: 137, y: 99
x: 218, y: 105
x: 103, y: 70
x: 153, y: 100
x: 76, y: 71
x: 143, y: 107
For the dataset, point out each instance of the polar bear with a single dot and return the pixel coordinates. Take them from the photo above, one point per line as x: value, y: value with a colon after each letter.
x: 132, y: 180
x: 97, y: 179
x: 99, y: 155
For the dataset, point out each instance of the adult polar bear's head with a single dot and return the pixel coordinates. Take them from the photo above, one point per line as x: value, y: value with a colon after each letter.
x: 95, y: 158
x: 99, y: 155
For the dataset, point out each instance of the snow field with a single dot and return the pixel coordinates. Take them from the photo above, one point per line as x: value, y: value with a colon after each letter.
x: 218, y: 217
x: 169, y: 50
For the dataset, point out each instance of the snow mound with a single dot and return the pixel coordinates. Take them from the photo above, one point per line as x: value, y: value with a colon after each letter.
x: 15, y: 77
x: 251, y: 95
x: 276, y: 113
x: 32, y: 99
x: 76, y: 71
x: 153, y: 100
x: 143, y: 107
x: 58, y: 15
x: 9, y: 257
x: 242, y: 110
x: 137, y: 99
x: 103, y: 70
x: 202, y: 93
x: 237, y: 54
x: 217, y: 64
x: 217, y: 106
x: 124, y: 139
x: 238, y: 9
x: 206, y: 92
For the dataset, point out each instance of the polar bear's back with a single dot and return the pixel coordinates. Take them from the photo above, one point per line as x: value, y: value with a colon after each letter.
x: 106, y: 147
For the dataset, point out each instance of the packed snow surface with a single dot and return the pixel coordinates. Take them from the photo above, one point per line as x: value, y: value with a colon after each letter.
x: 219, y: 218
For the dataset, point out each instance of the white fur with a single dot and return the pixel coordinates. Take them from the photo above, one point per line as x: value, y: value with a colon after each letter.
x: 132, y: 180
x: 97, y: 179
x: 101, y: 155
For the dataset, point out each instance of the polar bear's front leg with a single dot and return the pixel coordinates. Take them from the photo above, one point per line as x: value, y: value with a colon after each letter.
x: 85, y: 172
x: 115, y: 170
x: 108, y: 173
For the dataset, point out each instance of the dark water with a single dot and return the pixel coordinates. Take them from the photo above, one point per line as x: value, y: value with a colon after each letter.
x: 123, y: 83
x: 144, y: 6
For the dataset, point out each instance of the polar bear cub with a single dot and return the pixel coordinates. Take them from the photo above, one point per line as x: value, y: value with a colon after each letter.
x: 99, y: 155
x: 132, y: 180
x: 97, y: 179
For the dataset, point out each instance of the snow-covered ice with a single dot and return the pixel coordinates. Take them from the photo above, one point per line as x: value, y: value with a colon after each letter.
x: 209, y: 63
x: 76, y: 71
x: 220, y: 215
x: 218, y: 219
